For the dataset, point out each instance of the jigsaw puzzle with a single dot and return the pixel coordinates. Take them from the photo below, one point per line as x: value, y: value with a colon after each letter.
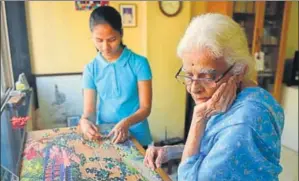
x: 63, y: 154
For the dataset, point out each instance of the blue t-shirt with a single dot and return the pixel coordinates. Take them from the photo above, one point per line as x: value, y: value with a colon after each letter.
x: 116, y: 85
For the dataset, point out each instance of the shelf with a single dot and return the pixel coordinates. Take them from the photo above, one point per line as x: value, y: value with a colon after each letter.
x: 266, y: 45
x: 263, y: 74
x: 275, y: 17
x: 269, y: 45
x: 242, y: 16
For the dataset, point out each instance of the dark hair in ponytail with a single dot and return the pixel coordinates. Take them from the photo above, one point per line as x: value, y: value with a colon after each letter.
x: 106, y: 15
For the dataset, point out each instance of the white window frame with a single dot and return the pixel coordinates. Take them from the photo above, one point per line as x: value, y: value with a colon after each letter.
x: 7, y: 80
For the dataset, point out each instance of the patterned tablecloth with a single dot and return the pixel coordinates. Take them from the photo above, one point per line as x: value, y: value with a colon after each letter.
x: 63, y: 154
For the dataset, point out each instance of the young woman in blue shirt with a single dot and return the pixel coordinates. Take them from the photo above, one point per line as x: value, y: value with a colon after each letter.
x: 117, y: 86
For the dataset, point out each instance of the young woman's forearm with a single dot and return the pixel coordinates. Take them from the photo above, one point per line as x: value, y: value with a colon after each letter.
x: 140, y: 115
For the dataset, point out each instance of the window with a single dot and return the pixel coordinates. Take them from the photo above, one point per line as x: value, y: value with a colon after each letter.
x: 7, y: 81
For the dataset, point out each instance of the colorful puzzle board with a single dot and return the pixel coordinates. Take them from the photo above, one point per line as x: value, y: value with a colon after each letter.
x: 63, y: 154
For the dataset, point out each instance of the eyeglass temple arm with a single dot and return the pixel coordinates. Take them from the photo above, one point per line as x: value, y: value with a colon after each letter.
x: 224, y: 73
x: 178, y: 72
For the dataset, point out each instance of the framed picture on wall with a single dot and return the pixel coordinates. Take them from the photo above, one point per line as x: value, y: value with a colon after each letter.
x: 128, y: 15
x: 59, y: 96
x: 89, y: 5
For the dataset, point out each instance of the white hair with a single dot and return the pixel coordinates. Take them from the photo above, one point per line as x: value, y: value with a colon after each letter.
x: 221, y: 36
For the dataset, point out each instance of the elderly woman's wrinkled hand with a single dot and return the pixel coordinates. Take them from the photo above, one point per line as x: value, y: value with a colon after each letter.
x: 155, y: 156
x: 221, y: 100
x: 239, y: 71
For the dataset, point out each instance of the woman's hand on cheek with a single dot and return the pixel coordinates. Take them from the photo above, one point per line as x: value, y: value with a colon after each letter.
x: 239, y: 70
x: 221, y: 100
x: 224, y: 96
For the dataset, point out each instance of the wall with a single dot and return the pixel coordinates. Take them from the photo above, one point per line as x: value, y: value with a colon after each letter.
x: 163, y: 36
x: 290, y: 94
x: 59, y: 36
x: 198, y: 7
x: 292, y: 40
x: 135, y: 37
x: 289, y: 162
x: 290, y: 105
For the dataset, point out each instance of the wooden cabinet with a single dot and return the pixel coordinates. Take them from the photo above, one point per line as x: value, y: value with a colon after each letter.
x: 266, y: 26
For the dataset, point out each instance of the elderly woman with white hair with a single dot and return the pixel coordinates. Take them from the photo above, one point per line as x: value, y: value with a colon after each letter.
x: 236, y: 126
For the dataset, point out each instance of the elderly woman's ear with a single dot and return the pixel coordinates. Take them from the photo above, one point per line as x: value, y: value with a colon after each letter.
x: 239, y: 70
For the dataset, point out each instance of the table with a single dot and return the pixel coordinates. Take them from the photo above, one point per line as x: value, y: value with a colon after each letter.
x: 64, y: 154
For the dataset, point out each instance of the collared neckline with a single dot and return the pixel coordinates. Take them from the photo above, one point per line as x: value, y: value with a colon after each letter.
x: 121, y: 60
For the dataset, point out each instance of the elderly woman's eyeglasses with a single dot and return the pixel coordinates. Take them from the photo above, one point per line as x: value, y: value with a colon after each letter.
x: 207, y: 80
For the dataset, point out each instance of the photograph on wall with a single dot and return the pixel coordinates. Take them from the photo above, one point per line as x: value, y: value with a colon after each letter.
x: 128, y: 15
x: 59, y: 97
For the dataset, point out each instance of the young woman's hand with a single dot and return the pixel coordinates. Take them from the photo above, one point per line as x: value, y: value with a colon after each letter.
x: 221, y: 100
x: 120, y: 132
x: 88, y: 129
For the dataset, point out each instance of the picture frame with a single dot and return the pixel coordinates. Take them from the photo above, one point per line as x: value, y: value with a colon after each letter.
x: 58, y: 96
x: 72, y: 120
x: 128, y: 15
x: 89, y: 5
